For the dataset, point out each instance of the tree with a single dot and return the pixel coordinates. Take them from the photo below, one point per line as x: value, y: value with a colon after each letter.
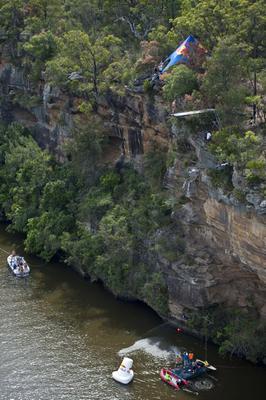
x: 242, y: 151
x: 40, y: 48
x: 44, y: 233
x: 214, y: 21
x: 10, y: 136
x: 223, y: 84
x: 82, y: 248
x: 89, y: 16
x: 116, y: 261
x: 251, y: 23
x: 11, y: 23
x: 56, y: 215
x: 139, y: 16
x: 44, y: 15
x: 24, y: 175
x: 208, y: 19
x: 81, y: 61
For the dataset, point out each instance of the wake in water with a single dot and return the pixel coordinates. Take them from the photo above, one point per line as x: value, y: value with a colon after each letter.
x: 154, y: 344
x: 153, y: 347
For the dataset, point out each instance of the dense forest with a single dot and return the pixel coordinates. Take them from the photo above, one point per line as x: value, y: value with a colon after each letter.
x: 98, y: 216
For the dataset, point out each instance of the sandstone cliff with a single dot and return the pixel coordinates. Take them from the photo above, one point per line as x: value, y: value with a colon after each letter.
x: 224, y: 259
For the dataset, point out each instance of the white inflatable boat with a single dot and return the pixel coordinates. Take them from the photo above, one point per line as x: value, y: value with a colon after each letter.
x: 18, y: 265
x: 124, y: 374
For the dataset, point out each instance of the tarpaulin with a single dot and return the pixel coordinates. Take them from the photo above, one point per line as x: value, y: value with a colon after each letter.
x: 184, y: 54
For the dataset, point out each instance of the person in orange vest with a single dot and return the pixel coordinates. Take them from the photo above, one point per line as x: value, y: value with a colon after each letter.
x: 167, y: 377
x: 178, y: 360
x: 190, y: 356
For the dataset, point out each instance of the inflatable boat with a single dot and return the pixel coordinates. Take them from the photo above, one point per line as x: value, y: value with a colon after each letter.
x: 167, y: 376
x: 124, y: 374
x: 189, y: 372
x: 18, y: 265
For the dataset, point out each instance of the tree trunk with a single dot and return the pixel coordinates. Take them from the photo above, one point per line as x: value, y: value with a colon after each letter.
x: 255, y: 94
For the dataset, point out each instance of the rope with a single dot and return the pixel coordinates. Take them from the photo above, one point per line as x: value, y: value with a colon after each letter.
x: 31, y: 264
x: 4, y: 251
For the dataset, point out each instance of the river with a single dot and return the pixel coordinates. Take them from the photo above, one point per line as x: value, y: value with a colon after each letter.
x: 61, y: 337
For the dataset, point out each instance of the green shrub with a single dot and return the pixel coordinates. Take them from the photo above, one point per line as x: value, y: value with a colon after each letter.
x: 221, y: 178
x: 181, y: 81
x: 155, y: 161
x: 235, y: 331
x: 147, y: 86
x: 37, y: 195
x: 239, y: 195
x: 256, y: 171
x: 242, y: 150
x: 155, y: 293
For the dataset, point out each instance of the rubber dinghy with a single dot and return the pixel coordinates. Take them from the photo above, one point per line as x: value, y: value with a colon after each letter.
x: 168, y: 377
x: 18, y: 265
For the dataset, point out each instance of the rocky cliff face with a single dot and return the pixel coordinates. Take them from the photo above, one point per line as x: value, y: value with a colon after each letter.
x: 46, y: 111
x: 224, y: 259
x: 51, y: 114
x: 225, y: 255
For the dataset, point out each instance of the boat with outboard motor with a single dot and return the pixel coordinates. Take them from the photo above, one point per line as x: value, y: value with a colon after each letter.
x: 18, y: 265
x: 189, y: 371
x: 186, y: 369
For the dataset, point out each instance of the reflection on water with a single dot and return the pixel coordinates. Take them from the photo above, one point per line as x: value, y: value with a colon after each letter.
x: 61, y: 338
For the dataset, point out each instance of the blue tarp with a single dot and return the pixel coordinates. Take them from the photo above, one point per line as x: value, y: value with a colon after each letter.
x: 182, y: 54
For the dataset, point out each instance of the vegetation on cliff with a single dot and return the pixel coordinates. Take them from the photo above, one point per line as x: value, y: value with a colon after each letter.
x: 44, y: 200
x: 109, y: 221
x: 87, y: 48
x: 234, y: 331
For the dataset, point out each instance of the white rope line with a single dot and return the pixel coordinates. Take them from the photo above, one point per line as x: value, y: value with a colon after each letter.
x: 4, y: 251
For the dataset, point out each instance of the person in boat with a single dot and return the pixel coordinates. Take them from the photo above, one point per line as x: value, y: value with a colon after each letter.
x: 195, y: 367
x: 13, y: 259
x: 167, y: 377
x: 178, y: 360
x: 185, y: 358
x: 21, y: 266
x: 190, y: 356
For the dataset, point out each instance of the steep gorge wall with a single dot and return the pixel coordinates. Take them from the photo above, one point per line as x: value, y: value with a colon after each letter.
x: 51, y: 114
x: 224, y: 260
x: 226, y: 248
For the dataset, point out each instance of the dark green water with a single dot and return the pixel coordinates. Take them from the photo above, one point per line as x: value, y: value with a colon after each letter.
x: 60, y: 337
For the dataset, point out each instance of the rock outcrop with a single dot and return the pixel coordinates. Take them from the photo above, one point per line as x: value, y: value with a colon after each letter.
x: 224, y: 262
x: 224, y: 259
x: 225, y: 256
